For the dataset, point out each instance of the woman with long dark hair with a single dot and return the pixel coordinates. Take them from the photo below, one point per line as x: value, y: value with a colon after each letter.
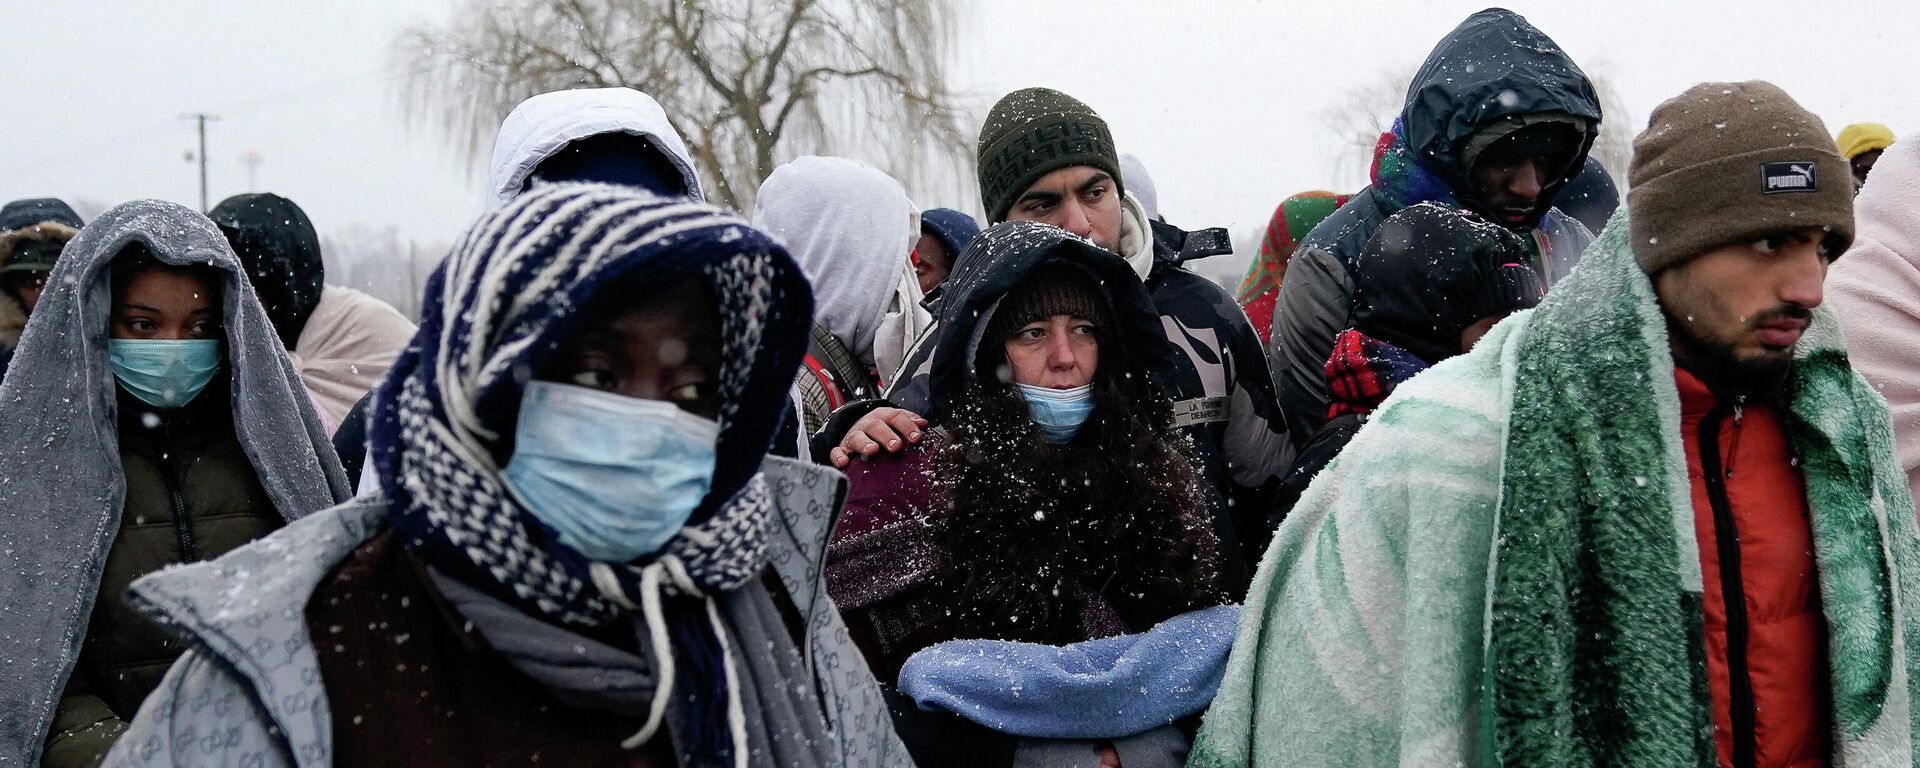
x: 1059, y: 505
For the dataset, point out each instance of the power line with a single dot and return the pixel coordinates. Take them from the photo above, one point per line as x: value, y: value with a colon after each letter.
x: 151, y: 131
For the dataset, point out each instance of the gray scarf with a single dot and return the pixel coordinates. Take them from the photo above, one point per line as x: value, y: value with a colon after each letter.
x: 63, y: 490
x: 784, y: 724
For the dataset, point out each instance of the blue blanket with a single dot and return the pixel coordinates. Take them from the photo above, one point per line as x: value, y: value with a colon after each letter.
x: 1099, y: 689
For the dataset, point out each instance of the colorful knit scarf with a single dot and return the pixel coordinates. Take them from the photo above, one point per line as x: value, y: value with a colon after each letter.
x: 1399, y: 178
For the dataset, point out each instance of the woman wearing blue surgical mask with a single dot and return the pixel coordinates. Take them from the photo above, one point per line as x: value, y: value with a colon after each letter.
x: 579, y: 554
x: 152, y: 420
x: 1061, y: 504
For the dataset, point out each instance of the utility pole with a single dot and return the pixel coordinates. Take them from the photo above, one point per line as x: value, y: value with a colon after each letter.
x: 252, y: 160
x: 201, y: 119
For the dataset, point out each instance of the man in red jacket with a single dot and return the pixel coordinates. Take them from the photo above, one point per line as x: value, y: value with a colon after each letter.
x: 1655, y: 520
x: 1738, y: 209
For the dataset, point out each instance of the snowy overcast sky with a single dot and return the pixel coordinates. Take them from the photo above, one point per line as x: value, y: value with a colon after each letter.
x: 1222, y: 99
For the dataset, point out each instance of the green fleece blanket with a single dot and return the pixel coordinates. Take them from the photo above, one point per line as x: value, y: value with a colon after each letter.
x: 1431, y: 599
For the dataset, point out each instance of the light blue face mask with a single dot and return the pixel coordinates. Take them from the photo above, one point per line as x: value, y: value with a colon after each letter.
x: 616, y: 477
x: 1058, y: 413
x: 164, y: 373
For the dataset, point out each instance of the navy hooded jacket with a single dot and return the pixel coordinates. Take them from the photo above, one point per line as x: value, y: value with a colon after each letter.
x: 1493, y: 66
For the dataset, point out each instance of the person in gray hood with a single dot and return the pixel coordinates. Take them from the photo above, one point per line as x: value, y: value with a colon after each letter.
x: 579, y: 553
x: 609, y: 135
x: 152, y: 419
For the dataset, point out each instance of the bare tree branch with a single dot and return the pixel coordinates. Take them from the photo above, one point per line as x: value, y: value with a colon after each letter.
x: 688, y: 43
x: 747, y: 81
x: 779, y: 50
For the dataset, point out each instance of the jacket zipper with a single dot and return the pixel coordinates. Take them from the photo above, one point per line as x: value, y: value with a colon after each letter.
x: 1733, y: 595
x: 182, y: 526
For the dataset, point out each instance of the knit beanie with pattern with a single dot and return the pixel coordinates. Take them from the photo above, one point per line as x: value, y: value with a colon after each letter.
x: 1033, y: 132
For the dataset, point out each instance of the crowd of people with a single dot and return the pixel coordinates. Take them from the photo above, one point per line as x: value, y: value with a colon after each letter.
x: 1481, y: 465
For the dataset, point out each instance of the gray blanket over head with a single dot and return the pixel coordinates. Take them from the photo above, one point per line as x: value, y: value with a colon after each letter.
x: 61, y: 486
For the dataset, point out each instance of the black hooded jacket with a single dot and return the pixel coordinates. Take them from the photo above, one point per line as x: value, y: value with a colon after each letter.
x: 33, y: 210
x: 281, y: 254
x: 1493, y: 67
x: 991, y: 267
x: 1429, y: 273
x: 1001, y: 262
x: 1222, y: 389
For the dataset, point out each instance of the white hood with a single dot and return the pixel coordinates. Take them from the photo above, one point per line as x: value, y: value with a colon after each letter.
x: 1884, y: 211
x: 851, y: 227
x: 547, y: 123
x: 1133, y: 176
x: 1136, y: 236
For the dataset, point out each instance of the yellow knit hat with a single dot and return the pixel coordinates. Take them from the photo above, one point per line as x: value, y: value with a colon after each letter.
x: 1860, y: 138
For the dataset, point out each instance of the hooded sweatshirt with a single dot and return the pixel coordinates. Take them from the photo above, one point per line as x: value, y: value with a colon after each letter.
x: 545, y: 124
x: 850, y: 226
x: 1492, y: 67
x: 59, y: 433
x: 1876, y: 289
x: 1140, y: 185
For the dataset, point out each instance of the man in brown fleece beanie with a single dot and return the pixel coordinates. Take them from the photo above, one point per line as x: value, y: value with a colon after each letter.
x: 1656, y: 520
x: 1738, y: 203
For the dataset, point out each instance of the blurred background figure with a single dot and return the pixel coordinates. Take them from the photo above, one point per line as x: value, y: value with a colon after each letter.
x: 1861, y: 144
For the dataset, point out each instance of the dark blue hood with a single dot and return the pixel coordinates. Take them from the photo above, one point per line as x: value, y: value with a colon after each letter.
x: 1494, y: 65
x: 33, y: 210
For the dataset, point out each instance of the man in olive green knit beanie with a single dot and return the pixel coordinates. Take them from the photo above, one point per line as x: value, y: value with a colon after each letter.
x: 1033, y: 132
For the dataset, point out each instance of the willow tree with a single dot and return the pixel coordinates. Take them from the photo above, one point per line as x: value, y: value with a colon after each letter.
x: 749, y: 83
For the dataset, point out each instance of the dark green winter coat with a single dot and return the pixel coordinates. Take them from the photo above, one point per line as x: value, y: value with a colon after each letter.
x: 191, y: 495
x: 88, y: 501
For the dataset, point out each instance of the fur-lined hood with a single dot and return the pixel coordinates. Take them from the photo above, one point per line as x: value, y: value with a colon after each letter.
x: 13, y: 242
x: 13, y: 317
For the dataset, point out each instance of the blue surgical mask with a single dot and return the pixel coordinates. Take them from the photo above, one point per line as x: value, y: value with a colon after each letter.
x: 616, y: 477
x: 1058, y: 413
x: 164, y: 373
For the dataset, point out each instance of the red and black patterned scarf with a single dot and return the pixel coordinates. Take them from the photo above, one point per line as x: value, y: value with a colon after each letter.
x: 1363, y: 370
